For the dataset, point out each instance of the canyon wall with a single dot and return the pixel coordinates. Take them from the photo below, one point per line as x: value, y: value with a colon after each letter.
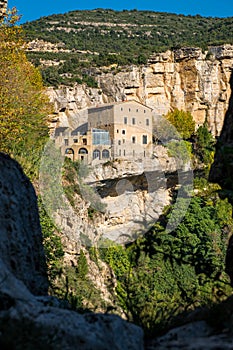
x: 185, y: 78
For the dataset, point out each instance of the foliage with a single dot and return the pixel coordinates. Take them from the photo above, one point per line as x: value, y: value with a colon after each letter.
x: 163, y: 274
x: 23, y: 104
x: 105, y: 37
x: 181, y: 150
x: 204, y: 145
x: 73, y: 174
x: 52, y: 244
x: 70, y: 283
x: 183, y: 122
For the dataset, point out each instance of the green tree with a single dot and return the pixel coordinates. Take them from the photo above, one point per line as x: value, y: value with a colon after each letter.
x: 24, y: 107
x: 163, y: 274
x: 204, y: 145
x: 183, y: 122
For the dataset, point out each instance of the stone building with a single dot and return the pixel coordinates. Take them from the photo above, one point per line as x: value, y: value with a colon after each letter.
x: 112, y: 131
x: 89, y: 146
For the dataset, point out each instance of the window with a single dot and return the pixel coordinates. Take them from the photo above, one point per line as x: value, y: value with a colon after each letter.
x: 147, y: 122
x: 121, y: 108
x: 123, y: 140
x: 119, y: 142
x: 144, y: 139
x: 96, y: 154
x: 117, y: 131
x: 100, y: 137
x: 83, y: 151
x: 123, y: 132
x: 144, y: 154
x: 144, y: 111
x: 75, y: 140
x: 133, y: 121
x: 125, y: 120
x: 136, y: 110
x: 124, y: 152
x: 119, y: 152
x: 85, y: 142
x: 129, y: 109
x: 133, y: 153
x: 69, y: 151
x: 105, y: 153
x: 66, y: 142
x: 133, y: 139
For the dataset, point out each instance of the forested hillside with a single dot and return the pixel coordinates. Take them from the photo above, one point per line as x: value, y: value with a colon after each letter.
x: 130, y: 33
x: 104, y: 37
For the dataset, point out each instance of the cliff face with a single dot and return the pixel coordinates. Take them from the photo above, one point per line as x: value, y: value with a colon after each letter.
x: 185, y: 79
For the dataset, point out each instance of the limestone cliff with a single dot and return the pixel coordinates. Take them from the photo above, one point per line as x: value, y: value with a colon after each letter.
x: 185, y: 78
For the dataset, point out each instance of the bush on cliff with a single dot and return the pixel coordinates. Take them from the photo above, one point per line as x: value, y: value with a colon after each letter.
x: 24, y: 106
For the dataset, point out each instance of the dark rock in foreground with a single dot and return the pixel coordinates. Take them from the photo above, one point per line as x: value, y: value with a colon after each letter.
x: 21, y: 247
x: 29, y: 318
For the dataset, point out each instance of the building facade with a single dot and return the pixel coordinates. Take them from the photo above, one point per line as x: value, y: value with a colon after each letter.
x: 121, y: 130
x: 130, y: 128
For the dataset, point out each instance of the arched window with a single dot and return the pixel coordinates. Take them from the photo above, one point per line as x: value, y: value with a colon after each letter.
x: 83, y: 151
x: 105, y: 153
x: 69, y: 151
x: 96, y: 154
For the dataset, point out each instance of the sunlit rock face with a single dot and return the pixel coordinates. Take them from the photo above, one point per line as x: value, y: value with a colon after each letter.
x: 185, y: 78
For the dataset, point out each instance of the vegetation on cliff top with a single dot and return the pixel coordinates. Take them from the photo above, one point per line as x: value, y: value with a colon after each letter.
x: 106, y: 37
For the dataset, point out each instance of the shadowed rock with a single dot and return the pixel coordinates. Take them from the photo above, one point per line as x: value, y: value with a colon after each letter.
x: 221, y: 171
x: 29, y: 318
x: 21, y: 247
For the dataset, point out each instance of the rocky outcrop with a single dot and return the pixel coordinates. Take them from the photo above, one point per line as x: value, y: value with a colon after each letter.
x: 116, y: 201
x: 185, y: 78
x: 193, y: 336
x: 20, y: 234
x: 29, y: 318
x: 3, y: 6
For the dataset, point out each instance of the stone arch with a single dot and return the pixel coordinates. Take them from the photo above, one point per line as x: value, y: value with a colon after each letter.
x: 96, y: 154
x: 83, y: 151
x: 105, y: 153
x: 69, y: 152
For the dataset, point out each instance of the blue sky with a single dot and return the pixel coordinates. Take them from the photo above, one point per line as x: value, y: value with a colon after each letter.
x: 34, y: 9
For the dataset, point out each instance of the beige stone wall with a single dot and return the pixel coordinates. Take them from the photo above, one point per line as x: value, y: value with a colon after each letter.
x: 80, y: 147
x: 130, y: 126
